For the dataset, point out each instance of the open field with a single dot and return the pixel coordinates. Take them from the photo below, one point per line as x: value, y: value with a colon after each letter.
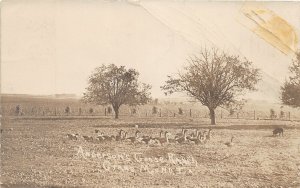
x: 36, y: 153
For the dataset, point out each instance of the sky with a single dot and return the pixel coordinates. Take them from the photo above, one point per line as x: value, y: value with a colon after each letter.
x: 52, y: 46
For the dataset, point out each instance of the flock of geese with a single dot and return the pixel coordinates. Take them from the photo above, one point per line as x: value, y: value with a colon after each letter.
x: 196, y: 137
x: 164, y: 137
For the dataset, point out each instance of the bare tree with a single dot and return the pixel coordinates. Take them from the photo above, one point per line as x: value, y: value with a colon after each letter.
x: 290, y: 91
x: 215, y: 79
x: 116, y: 86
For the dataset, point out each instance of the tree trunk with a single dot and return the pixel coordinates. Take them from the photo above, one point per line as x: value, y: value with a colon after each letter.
x: 212, y: 116
x: 116, y: 109
x: 117, y: 114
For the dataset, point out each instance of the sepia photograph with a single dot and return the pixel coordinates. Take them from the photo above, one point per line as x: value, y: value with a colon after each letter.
x: 148, y: 93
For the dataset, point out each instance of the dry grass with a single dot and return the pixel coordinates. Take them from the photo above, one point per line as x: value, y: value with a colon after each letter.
x: 37, y: 153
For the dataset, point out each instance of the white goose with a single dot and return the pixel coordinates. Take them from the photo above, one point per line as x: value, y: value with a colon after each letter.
x: 182, y: 139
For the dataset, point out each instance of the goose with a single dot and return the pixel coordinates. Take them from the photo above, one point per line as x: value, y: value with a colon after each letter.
x: 195, y: 134
x: 146, y: 136
x: 88, y: 138
x: 147, y: 140
x: 165, y: 139
x: 208, y: 134
x: 73, y: 136
x: 119, y: 136
x: 124, y: 136
x: 172, y: 140
x: 100, y: 137
x: 183, y: 138
x: 229, y: 144
x: 134, y: 139
x: 161, y: 134
x: 203, y: 136
x: 109, y: 138
x: 200, y: 134
x: 196, y: 140
x: 178, y: 135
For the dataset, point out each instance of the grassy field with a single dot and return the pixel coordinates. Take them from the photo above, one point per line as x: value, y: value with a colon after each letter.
x: 35, y: 152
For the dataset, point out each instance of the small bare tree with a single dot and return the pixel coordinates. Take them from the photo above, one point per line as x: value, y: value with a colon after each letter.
x: 215, y: 79
x: 116, y: 86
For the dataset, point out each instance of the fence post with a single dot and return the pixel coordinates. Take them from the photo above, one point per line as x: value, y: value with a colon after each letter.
x: 146, y: 114
x: 174, y: 114
x: 190, y: 112
x: 221, y: 114
x: 80, y: 111
x: 254, y: 115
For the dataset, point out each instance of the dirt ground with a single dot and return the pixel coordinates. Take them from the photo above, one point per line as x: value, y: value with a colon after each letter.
x: 37, y: 153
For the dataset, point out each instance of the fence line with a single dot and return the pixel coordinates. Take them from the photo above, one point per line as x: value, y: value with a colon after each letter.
x: 145, y: 111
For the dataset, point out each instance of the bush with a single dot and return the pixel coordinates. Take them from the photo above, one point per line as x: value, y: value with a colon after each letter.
x: 154, y: 110
x: 91, y: 110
